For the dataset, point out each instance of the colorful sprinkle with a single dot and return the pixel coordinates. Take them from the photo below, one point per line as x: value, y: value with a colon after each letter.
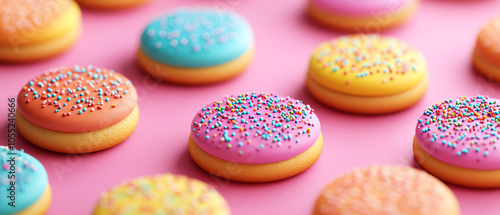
x: 463, y: 125
x: 250, y: 121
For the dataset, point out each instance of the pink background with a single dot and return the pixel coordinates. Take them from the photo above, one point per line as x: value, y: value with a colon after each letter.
x: 444, y: 31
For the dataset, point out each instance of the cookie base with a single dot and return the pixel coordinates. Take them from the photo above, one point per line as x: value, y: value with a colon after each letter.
x: 369, y: 24
x: 484, y: 68
x: 44, y: 50
x: 454, y: 174
x: 195, y: 76
x: 111, y: 4
x: 78, y: 142
x: 365, y: 104
x: 255, y: 172
x: 41, y: 206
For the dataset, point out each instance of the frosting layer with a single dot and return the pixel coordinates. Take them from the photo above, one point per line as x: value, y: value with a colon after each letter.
x: 386, y: 190
x: 29, y: 22
x: 162, y: 194
x: 22, y: 174
x: 77, y: 99
x: 367, y: 65
x: 255, y: 128
x: 197, y: 38
x: 362, y: 7
x: 462, y: 132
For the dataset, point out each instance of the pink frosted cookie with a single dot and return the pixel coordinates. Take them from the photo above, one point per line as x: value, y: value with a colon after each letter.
x: 255, y: 137
x: 361, y: 15
x: 456, y: 140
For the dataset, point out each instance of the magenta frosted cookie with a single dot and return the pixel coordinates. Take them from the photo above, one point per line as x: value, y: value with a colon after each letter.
x: 457, y: 140
x: 255, y: 137
x: 361, y: 15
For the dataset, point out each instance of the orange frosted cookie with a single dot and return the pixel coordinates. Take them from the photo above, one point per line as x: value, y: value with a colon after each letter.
x: 367, y: 74
x: 255, y: 137
x: 33, y: 30
x: 77, y: 110
x: 361, y: 15
x: 386, y: 190
x: 111, y: 4
x: 457, y: 140
x: 162, y: 194
x: 486, y: 57
x: 196, y: 46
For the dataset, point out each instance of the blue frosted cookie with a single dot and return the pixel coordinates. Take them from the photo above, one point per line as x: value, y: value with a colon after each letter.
x: 196, y: 46
x: 24, y: 185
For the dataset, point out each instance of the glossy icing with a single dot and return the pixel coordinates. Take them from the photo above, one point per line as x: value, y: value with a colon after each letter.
x: 488, y: 42
x: 462, y: 132
x: 162, y: 194
x: 255, y: 128
x: 77, y: 99
x: 367, y: 65
x: 30, y: 180
x: 362, y: 7
x: 197, y: 38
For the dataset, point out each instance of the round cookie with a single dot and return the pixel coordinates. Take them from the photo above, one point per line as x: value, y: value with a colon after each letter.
x: 111, y: 4
x: 196, y: 46
x: 255, y: 137
x: 33, y: 30
x: 386, y: 190
x: 456, y: 140
x: 77, y: 110
x: 361, y: 16
x: 367, y: 74
x: 24, y: 184
x: 162, y: 194
x: 486, y: 56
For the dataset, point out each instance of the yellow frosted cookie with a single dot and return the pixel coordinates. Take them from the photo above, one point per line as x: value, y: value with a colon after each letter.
x: 162, y: 194
x: 367, y: 74
x: 33, y: 30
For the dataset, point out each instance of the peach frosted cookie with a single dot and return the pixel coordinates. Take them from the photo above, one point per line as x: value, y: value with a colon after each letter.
x: 386, y: 190
x: 486, y: 56
x: 367, y: 74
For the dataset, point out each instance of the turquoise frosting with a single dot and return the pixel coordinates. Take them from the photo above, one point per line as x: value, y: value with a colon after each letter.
x: 196, y: 38
x: 30, y: 180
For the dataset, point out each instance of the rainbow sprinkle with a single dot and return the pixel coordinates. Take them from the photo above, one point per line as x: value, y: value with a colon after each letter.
x: 465, y: 125
x: 78, y: 89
